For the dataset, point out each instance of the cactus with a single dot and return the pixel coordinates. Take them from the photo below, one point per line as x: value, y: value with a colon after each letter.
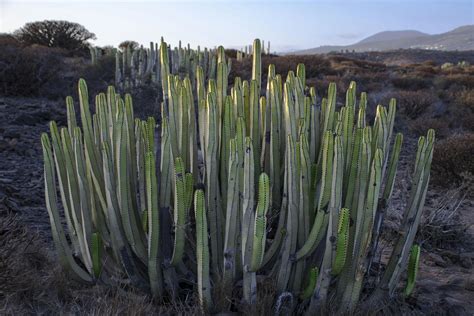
x: 202, y: 254
x: 342, y: 241
x: 309, y: 289
x: 412, y: 269
x: 290, y: 185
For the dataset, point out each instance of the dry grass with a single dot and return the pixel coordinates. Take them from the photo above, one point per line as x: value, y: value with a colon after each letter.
x: 465, y: 98
x: 421, y: 125
x: 411, y: 83
x: 452, y: 158
x: 442, y: 225
x: 414, y: 103
x: 31, y: 282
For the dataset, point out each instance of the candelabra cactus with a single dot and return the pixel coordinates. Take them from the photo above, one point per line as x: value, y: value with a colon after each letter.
x: 154, y: 64
x: 321, y: 173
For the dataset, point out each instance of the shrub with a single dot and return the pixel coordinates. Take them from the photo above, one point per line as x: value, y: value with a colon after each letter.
x: 442, y: 225
x: 8, y: 39
x: 100, y: 74
x: 27, y: 70
x: 421, y: 125
x: 465, y: 98
x: 410, y: 83
x: 452, y: 158
x: 414, y: 103
x: 455, y: 82
x: 52, y: 33
x: 19, y: 257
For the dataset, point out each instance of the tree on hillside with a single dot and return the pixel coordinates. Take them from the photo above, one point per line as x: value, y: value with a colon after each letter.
x: 132, y: 44
x: 51, y: 33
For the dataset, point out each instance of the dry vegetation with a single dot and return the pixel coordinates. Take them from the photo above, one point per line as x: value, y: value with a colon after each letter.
x: 31, y: 282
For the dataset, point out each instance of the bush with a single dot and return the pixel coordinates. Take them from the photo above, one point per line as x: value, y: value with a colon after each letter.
x: 410, y: 83
x: 8, y: 39
x: 465, y: 98
x: 51, y: 33
x: 414, y: 103
x: 443, y: 225
x: 452, y: 158
x: 455, y: 82
x: 101, y: 74
x: 18, y: 256
x: 27, y: 70
x: 421, y: 125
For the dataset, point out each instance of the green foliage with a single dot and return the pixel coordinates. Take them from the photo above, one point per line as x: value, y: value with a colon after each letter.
x: 321, y: 173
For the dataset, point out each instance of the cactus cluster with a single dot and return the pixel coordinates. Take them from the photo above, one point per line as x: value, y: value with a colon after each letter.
x: 144, y: 65
x: 247, y: 51
x: 284, y: 184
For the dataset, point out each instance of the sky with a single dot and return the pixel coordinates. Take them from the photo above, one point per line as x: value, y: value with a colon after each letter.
x: 288, y: 25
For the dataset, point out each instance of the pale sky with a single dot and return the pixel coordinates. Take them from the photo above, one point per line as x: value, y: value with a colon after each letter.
x: 289, y: 25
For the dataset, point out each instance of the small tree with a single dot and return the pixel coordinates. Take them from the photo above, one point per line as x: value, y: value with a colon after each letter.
x: 51, y: 33
x: 132, y: 44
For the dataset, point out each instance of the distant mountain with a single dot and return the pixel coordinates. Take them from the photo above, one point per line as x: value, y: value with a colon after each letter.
x: 392, y: 35
x: 461, y: 38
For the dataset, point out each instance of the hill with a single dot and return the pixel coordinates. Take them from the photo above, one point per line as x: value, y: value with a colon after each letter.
x: 461, y: 38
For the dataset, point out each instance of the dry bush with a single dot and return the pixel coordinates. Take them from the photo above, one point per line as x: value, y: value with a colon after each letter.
x: 32, y: 283
x: 455, y: 81
x: 8, y: 39
x: 20, y: 259
x: 48, y: 72
x: 231, y: 53
x: 362, y: 64
x: 27, y: 70
x: 99, y: 75
x: 421, y: 125
x: 465, y: 98
x: 414, y: 103
x: 452, y: 158
x: 369, y: 82
x: 426, y: 69
x: 411, y: 83
x: 442, y: 225
x: 316, y: 66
